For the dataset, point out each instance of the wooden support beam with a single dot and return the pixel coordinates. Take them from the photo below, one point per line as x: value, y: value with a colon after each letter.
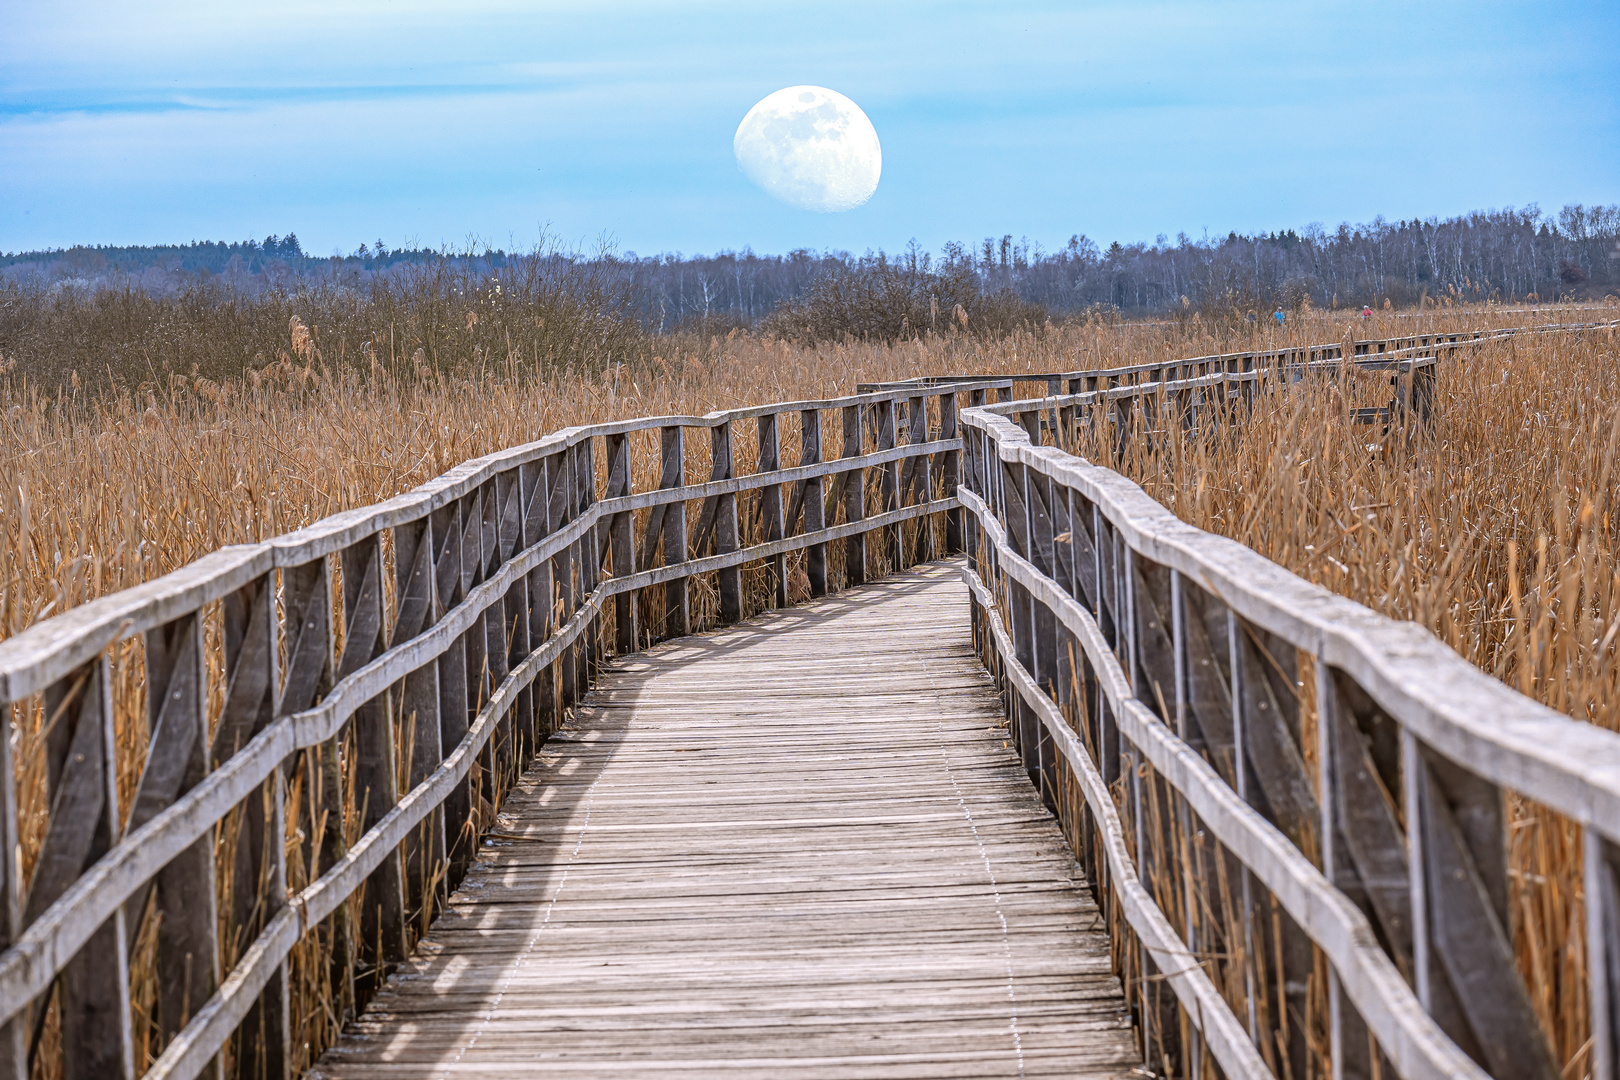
x: 727, y: 535
x: 1602, y: 880
x: 1469, y: 948
x: 382, y: 908
x: 917, y: 480
x: 448, y: 533
x: 252, y: 652
x: 177, y: 760
x: 14, y: 1034
x: 854, y: 492
x: 419, y: 694
x: 497, y: 634
x: 93, y: 989
x: 563, y: 566
x: 536, y: 527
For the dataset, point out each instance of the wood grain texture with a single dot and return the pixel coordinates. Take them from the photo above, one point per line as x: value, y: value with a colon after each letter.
x: 795, y: 847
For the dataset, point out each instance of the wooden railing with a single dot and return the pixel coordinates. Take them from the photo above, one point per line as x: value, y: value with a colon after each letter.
x: 1292, y: 806
x: 397, y: 665
x: 312, y: 732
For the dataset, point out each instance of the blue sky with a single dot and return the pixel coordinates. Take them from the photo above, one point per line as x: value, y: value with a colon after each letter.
x: 352, y: 120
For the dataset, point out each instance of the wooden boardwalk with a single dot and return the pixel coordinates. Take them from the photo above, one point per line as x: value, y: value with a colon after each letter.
x: 797, y: 847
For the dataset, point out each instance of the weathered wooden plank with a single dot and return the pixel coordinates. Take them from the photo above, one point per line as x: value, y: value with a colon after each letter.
x: 780, y: 965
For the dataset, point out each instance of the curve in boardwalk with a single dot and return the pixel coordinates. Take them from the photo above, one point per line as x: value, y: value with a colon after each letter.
x: 796, y: 847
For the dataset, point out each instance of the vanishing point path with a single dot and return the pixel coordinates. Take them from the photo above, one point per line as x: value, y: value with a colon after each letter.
x: 797, y: 847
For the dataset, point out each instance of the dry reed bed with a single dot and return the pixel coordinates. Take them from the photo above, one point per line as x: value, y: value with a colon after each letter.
x: 103, y: 493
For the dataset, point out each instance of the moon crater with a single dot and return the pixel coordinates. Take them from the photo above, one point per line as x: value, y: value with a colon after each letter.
x: 810, y: 147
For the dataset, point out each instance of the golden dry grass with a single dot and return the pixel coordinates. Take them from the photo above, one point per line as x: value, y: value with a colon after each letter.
x: 107, y: 491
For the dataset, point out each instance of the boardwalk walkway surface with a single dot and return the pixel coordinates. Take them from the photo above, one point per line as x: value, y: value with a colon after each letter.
x: 797, y: 847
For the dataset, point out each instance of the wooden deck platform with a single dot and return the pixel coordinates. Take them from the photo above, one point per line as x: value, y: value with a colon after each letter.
x: 798, y: 847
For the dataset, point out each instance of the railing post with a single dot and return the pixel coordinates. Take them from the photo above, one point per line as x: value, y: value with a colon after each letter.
x: 528, y: 482
x: 93, y: 995
x: 1017, y: 519
x: 1192, y: 843
x: 770, y: 503
x: 918, y: 479
x: 449, y: 536
x: 493, y: 619
x: 815, y: 556
x: 1347, y: 1036
x: 563, y: 564
x: 418, y: 609
x: 1602, y: 879
x: 889, y: 485
x: 677, y: 615
x: 1122, y: 423
x: 588, y: 557
x: 1039, y: 502
x: 726, y: 534
x: 536, y: 527
x: 950, y: 471
x: 476, y: 641
x: 14, y: 1035
x: 854, y: 498
x: 622, y: 541
x: 518, y: 722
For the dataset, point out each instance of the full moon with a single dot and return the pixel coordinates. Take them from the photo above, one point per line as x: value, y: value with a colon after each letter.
x: 810, y: 147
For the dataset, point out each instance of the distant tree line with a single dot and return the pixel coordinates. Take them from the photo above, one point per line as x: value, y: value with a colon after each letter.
x: 1500, y: 254
x: 1503, y: 254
